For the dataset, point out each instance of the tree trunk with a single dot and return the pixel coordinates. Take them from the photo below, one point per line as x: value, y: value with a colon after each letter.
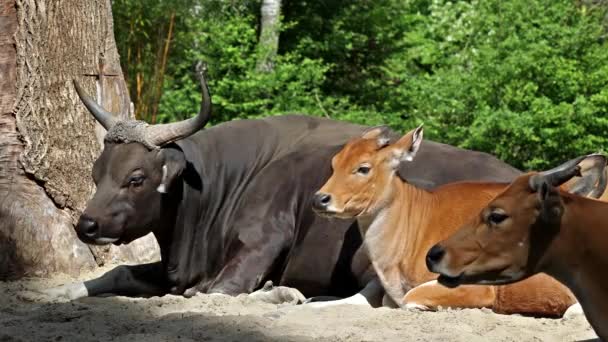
x: 48, y: 141
x: 269, y: 35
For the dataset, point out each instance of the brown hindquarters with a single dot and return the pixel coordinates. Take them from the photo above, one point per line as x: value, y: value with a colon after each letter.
x: 539, y: 295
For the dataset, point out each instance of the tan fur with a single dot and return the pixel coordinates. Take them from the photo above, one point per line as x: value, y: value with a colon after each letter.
x: 527, y: 297
x: 435, y: 295
x: 401, y: 222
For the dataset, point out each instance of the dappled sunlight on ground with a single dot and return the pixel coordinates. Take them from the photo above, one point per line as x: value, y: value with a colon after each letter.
x: 224, y: 318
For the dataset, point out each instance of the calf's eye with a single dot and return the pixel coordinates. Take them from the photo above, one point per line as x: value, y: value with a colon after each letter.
x: 363, y: 170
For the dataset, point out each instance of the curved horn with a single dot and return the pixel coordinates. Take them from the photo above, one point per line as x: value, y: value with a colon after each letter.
x: 557, y: 175
x: 101, y: 115
x: 593, y: 175
x: 561, y: 174
x: 162, y: 134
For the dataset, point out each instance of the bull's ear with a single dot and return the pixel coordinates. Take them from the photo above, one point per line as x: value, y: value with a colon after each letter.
x: 592, y: 181
x: 379, y: 133
x: 172, y: 162
x: 405, y: 149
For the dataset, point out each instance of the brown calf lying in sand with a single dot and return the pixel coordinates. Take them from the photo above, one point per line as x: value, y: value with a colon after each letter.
x: 534, y: 227
x: 400, y: 222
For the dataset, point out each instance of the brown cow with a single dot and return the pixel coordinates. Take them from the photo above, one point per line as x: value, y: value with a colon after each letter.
x: 400, y: 222
x: 534, y: 227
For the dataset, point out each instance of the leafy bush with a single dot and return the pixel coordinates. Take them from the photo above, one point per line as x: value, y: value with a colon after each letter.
x: 526, y: 80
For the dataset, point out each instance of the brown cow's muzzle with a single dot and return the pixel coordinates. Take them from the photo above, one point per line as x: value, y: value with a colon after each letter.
x: 434, y: 256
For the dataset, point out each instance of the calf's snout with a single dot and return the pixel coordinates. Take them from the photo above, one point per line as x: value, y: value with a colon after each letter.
x: 321, y: 201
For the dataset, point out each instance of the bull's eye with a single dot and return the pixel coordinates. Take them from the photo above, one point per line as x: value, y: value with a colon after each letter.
x: 363, y: 169
x: 136, y: 180
x: 496, y: 218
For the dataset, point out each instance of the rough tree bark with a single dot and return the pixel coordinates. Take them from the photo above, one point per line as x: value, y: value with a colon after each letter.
x: 269, y: 35
x: 48, y: 141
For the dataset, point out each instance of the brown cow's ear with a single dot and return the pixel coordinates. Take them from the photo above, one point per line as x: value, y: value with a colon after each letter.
x: 380, y: 133
x: 551, y: 207
x: 172, y: 163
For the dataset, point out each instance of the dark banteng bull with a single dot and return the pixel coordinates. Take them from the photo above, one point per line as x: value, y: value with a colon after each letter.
x: 230, y: 206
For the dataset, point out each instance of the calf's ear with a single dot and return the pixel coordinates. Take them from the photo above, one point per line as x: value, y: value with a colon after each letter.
x: 172, y: 162
x: 405, y: 149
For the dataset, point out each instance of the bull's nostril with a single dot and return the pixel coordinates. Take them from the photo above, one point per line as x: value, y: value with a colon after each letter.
x: 434, y: 255
x: 321, y: 200
x: 88, y: 227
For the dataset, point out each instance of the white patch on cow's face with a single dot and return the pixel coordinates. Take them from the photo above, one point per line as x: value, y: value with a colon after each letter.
x: 162, y: 187
x: 333, y: 210
x: 442, y: 268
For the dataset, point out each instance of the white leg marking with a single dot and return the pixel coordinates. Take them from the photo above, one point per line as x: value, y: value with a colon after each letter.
x: 416, y: 306
x: 357, y: 299
x: 371, y: 293
x: 573, y: 311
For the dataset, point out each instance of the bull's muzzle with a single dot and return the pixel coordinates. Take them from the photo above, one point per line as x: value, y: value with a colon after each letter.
x: 87, y: 227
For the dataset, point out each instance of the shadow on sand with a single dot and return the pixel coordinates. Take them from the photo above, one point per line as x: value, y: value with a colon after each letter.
x: 117, y: 319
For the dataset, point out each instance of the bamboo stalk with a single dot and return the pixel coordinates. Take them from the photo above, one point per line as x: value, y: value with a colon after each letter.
x: 140, y: 81
x: 161, y: 76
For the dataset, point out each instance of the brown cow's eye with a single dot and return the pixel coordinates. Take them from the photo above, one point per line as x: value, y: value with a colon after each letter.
x: 363, y: 170
x: 496, y: 218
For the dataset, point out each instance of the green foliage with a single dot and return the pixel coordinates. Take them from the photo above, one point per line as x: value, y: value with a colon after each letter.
x: 519, y: 79
x: 526, y: 80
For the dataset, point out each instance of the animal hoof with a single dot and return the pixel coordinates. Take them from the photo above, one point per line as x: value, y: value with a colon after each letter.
x: 416, y: 307
x: 278, y: 295
x: 30, y: 296
x: 191, y: 292
x: 42, y: 296
x: 268, y: 286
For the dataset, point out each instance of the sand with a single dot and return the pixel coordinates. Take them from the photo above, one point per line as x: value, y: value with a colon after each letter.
x: 225, y: 318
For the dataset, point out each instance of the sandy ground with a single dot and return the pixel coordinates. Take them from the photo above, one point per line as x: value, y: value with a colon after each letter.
x: 224, y: 318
